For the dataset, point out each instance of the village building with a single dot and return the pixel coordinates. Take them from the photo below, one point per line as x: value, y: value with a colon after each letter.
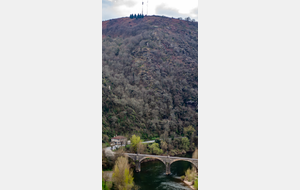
x: 118, y: 140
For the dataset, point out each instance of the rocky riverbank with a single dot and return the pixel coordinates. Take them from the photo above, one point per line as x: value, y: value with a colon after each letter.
x: 190, y: 184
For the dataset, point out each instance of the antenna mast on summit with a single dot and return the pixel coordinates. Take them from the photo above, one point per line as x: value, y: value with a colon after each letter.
x: 142, y: 6
x: 147, y: 7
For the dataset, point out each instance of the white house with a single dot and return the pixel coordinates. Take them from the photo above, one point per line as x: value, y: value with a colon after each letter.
x: 119, y: 140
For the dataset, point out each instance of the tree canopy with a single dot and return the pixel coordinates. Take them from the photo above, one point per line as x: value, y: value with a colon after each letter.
x: 150, y: 81
x: 135, y: 140
x: 122, y: 175
x: 155, y: 148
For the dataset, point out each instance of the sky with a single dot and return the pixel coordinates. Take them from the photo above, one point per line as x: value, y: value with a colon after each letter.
x: 171, y: 8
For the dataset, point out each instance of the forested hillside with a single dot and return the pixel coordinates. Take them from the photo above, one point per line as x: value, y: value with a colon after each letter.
x: 149, y: 79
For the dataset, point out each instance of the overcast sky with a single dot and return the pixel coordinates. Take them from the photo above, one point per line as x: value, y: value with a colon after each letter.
x: 171, y: 8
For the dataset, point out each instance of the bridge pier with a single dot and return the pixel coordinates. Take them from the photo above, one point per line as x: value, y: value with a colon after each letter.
x: 168, y: 169
x: 137, y: 166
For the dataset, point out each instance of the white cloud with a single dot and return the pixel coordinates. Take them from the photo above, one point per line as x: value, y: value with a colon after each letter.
x: 174, y: 12
x: 123, y: 8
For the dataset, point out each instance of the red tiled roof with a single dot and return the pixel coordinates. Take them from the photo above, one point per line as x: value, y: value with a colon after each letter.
x: 119, y: 137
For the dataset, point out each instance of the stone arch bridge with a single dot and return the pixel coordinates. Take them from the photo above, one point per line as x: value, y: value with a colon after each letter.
x: 167, y: 160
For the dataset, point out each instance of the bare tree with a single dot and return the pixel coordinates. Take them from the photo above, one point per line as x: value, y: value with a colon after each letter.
x: 140, y: 148
x: 195, y: 154
x: 164, y: 146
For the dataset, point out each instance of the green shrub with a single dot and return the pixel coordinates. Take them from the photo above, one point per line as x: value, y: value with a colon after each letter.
x: 196, y: 184
x: 154, y: 148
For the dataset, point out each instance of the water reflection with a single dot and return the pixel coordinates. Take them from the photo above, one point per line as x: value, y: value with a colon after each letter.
x: 152, y: 176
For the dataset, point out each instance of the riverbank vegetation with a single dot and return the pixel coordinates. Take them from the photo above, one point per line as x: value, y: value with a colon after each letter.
x: 191, y: 175
x: 191, y: 178
x: 108, y: 162
x: 164, y: 145
x: 106, y: 182
x: 178, y: 147
x: 122, y: 168
x: 196, y: 183
x: 122, y: 176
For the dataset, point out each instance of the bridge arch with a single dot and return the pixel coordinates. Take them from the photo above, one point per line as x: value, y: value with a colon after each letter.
x: 153, y: 158
x: 131, y: 157
x: 166, y: 160
x: 184, y: 160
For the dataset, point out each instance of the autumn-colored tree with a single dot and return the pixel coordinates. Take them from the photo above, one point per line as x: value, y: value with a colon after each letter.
x: 122, y: 175
x: 134, y: 142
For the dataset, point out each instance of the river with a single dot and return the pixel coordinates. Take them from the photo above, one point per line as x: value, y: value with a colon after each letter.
x: 153, y: 177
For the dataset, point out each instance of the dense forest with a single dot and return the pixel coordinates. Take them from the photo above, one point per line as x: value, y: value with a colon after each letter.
x: 150, y: 79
